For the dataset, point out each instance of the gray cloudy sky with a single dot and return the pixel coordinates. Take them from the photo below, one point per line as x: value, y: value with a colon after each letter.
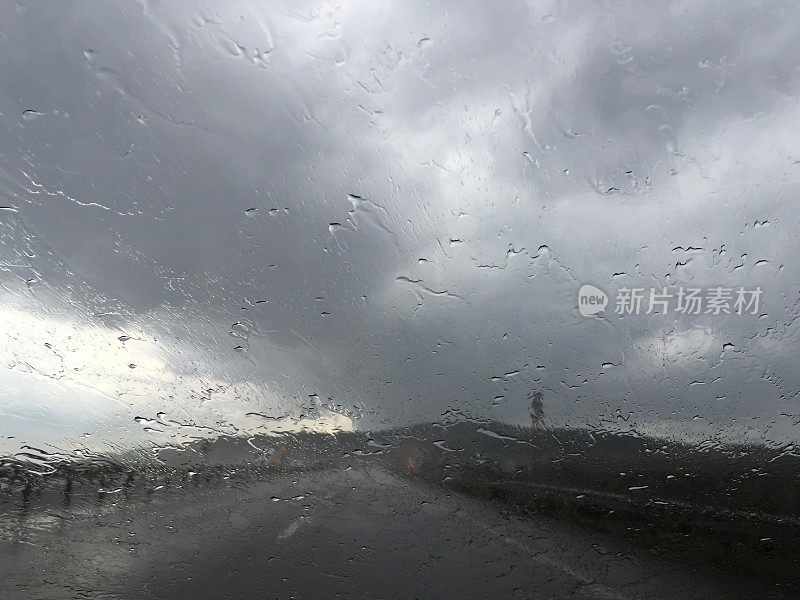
x: 213, y: 209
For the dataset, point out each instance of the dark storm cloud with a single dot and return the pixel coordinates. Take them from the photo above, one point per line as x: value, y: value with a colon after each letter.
x: 395, y: 206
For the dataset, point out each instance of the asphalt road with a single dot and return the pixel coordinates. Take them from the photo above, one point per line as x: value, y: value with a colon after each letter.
x: 360, y: 532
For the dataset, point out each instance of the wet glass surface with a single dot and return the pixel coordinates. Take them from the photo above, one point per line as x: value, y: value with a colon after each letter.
x: 298, y: 295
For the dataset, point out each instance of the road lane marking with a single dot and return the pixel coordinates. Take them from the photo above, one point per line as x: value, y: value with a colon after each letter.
x: 291, y: 529
x: 588, y: 586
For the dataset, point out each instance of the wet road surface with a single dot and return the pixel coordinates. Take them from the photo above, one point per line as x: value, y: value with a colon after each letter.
x: 359, y: 532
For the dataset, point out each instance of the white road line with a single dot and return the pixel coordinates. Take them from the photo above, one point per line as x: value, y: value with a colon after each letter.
x: 291, y: 529
x: 590, y: 587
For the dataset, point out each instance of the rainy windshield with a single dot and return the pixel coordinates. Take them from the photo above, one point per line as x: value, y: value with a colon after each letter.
x: 315, y: 299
